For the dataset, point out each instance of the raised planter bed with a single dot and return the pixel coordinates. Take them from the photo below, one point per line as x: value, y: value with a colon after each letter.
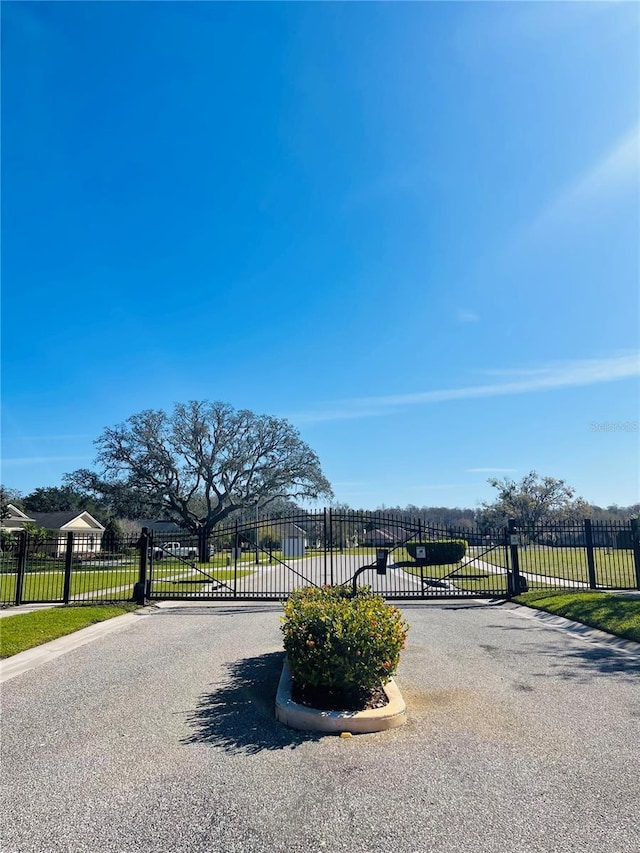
x: 301, y: 717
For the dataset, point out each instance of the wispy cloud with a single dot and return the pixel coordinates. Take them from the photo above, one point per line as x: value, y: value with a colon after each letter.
x: 529, y: 23
x: 613, y: 175
x: 467, y: 317
x: 549, y: 377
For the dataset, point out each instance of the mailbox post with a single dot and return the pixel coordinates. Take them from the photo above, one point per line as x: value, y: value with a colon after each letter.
x: 380, y: 565
x: 382, y: 555
x: 421, y: 559
x: 515, y: 582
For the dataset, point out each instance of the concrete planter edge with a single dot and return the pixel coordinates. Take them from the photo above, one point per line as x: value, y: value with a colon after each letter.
x: 301, y: 717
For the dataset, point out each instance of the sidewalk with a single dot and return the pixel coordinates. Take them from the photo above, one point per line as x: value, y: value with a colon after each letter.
x: 26, y: 608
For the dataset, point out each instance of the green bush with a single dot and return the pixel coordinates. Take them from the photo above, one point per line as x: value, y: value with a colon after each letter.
x: 340, y: 642
x: 441, y: 553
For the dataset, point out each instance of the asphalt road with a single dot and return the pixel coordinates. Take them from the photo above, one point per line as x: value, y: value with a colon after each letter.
x: 161, y: 737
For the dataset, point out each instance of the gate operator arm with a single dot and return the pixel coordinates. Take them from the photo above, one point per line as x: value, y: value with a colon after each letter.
x: 380, y: 565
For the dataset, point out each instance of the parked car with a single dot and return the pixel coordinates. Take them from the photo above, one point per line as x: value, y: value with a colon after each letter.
x: 174, y: 549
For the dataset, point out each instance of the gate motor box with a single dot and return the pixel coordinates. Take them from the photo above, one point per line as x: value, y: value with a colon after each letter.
x: 382, y: 555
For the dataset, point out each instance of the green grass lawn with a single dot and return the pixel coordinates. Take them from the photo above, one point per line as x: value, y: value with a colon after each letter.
x: 223, y: 559
x: 614, y: 568
x: 183, y: 581
x: 49, y: 585
x: 46, y: 582
x: 27, y: 630
x: 465, y: 577
x: 616, y: 614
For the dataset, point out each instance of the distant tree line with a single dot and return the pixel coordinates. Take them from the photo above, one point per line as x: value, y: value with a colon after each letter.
x: 533, y: 500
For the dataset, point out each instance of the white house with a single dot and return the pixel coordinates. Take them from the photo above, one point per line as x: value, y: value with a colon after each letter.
x: 87, y: 529
x: 14, y: 519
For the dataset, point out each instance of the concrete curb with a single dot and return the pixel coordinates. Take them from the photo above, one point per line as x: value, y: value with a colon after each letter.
x: 33, y: 658
x: 579, y: 629
x: 301, y: 717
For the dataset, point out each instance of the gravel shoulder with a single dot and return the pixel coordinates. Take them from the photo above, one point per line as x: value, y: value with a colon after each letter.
x: 161, y: 736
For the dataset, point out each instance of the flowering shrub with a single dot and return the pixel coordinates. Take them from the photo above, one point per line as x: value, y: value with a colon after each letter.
x: 340, y: 642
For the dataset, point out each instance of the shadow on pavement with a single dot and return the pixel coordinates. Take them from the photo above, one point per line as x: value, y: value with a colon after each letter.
x: 215, y: 609
x: 454, y: 604
x: 239, y: 716
x: 581, y: 660
x: 589, y: 662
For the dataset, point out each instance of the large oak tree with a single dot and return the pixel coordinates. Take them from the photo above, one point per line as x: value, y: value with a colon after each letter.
x: 532, y: 501
x: 202, y: 462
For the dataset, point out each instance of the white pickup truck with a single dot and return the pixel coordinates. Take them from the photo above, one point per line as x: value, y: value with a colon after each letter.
x: 174, y: 549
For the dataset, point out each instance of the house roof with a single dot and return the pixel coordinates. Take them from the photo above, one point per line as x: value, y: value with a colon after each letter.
x: 160, y: 525
x: 291, y: 529
x: 14, y: 519
x: 388, y: 534
x: 378, y: 532
x: 60, y: 520
x: 15, y: 514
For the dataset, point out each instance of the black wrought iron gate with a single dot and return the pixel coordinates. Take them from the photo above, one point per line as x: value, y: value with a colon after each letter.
x: 267, y: 558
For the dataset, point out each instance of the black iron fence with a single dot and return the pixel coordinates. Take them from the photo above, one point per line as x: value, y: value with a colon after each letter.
x: 269, y: 557
x: 579, y: 554
x: 70, y: 568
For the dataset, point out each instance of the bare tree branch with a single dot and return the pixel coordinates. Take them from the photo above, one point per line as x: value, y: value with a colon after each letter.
x: 205, y: 460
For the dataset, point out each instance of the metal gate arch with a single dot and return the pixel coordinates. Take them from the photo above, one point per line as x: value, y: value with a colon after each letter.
x: 269, y: 557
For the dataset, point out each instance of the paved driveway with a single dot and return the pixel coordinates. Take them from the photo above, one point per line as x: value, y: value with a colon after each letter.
x: 161, y: 737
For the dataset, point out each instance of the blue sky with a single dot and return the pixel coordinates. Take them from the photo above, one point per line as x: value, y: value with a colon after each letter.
x: 412, y: 229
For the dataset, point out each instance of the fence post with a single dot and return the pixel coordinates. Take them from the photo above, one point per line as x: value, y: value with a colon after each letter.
x: 203, y: 545
x: 635, y: 542
x: 140, y: 588
x: 324, y: 541
x: 257, y: 548
x: 591, y: 563
x: 22, y: 566
x: 505, y: 544
x: 68, y: 565
x: 514, y: 581
x: 331, y: 546
x: 422, y: 592
x: 236, y: 545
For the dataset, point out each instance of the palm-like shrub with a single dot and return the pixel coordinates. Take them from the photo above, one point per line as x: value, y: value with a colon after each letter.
x: 342, y: 644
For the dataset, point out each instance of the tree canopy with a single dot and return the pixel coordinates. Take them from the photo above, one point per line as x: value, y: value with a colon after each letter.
x: 532, y: 500
x: 9, y: 496
x: 202, y: 462
x: 62, y: 498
